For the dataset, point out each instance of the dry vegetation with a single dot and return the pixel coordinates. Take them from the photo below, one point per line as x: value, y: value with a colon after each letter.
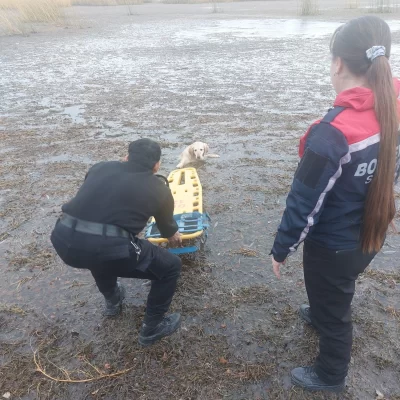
x: 352, y: 3
x: 15, y: 13
x: 105, y: 2
x: 309, y: 7
x: 383, y: 6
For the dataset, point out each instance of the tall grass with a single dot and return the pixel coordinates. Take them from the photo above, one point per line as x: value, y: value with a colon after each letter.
x: 35, y: 10
x: 48, y: 10
x: 383, y: 6
x: 309, y: 7
x: 15, y: 13
x: 41, y: 10
x: 105, y: 2
x: 214, y: 2
x: 353, y: 4
x: 10, y: 24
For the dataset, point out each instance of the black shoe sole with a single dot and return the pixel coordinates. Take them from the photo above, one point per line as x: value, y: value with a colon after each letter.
x: 317, y: 388
x: 149, y: 340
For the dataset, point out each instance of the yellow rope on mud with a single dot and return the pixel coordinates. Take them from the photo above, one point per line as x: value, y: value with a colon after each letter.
x: 42, y: 371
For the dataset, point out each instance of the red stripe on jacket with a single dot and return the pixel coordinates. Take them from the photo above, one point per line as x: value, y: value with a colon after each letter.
x: 358, y: 121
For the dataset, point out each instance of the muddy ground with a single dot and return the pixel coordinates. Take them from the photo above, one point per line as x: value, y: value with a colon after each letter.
x: 249, y: 84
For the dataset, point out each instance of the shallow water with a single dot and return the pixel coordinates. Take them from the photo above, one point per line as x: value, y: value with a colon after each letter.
x: 261, y: 28
x: 75, y: 112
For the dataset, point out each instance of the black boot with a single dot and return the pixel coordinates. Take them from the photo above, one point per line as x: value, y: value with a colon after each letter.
x: 153, y: 331
x: 307, y: 378
x: 114, y: 301
x: 305, y: 313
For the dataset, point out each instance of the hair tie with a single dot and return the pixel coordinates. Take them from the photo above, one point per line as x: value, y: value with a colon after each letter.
x: 375, y: 52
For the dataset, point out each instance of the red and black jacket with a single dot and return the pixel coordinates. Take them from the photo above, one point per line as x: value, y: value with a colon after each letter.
x: 338, y: 160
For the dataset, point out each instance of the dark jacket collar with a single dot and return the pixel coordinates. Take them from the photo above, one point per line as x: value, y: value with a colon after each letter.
x: 136, y: 167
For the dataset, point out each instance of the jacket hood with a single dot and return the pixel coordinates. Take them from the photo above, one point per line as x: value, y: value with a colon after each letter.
x: 360, y: 98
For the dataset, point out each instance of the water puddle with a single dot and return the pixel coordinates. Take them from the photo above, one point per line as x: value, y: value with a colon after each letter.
x: 45, y: 102
x: 7, y: 149
x: 110, y: 129
x: 75, y: 113
x: 65, y: 158
x: 266, y: 29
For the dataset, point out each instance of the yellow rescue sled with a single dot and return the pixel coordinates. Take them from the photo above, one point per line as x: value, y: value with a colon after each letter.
x: 188, y: 213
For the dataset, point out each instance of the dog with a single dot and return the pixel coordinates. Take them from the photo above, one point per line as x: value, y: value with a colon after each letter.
x: 196, y: 151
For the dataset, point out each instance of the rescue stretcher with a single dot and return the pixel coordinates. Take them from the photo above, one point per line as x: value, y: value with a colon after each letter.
x: 193, y: 223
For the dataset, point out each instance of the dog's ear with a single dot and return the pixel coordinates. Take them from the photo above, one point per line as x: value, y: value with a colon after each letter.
x: 206, y: 148
x: 191, y: 150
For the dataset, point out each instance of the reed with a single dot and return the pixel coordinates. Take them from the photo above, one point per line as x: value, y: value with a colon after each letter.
x: 309, y: 7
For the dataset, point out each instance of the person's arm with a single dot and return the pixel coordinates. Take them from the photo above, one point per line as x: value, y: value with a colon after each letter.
x: 165, y: 218
x: 326, y: 151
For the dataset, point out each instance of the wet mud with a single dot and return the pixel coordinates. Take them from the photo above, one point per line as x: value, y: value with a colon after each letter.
x: 247, y: 85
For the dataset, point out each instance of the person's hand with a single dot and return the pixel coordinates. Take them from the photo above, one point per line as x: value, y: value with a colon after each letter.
x: 176, y: 240
x: 276, y: 267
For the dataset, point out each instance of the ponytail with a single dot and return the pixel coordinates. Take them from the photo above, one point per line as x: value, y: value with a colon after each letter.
x: 380, y: 205
x: 352, y: 42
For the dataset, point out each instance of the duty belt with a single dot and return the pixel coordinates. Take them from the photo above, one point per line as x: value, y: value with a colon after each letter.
x: 93, y: 228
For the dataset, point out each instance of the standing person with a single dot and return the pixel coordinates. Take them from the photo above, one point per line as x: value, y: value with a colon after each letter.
x: 342, y: 198
x: 98, y: 229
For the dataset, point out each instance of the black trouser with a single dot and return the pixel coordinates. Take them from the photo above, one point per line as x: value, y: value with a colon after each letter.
x: 110, y: 257
x: 330, y: 282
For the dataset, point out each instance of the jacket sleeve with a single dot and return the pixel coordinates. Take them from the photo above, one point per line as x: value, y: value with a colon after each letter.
x: 326, y: 150
x: 165, y: 216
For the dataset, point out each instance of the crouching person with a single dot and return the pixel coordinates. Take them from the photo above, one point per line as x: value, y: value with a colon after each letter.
x: 98, y: 229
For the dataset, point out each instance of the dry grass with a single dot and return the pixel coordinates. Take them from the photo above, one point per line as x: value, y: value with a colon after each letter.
x: 10, y: 24
x: 50, y: 8
x: 33, y: 256
x: 215, y: 8
x: 15, y: 13
x: 192, y: 364
x: 12, y: 309
x: 252, y: 295
x: 393, y: 312
x: 309, y: 7
x: 36, y: 10
x: 246, y: 252
x: 352, y: 4
x: 105, y: 2
x: 383, y: 6
x: 382, y: 276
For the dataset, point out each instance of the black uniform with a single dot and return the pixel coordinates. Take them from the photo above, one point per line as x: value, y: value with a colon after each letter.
x: 99, y: 226
x: 126, y: 195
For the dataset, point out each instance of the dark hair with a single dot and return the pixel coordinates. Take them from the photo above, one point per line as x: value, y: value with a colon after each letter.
x: 144, y: 152
x: 350, y: 42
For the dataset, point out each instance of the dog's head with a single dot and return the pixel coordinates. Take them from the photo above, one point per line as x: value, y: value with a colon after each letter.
x: 198, y: 150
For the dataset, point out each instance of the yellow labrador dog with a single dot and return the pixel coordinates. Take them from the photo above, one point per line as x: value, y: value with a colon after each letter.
x: 194, y: 152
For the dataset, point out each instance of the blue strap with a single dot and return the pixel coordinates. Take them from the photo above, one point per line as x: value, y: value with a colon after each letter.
x: 332, y: 114
x: 183, y: 250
